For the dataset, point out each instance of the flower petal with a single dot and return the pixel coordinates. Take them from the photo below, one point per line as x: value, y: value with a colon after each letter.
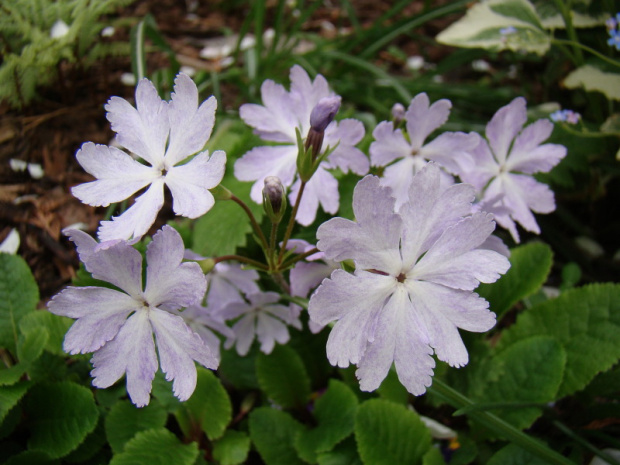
x: 423, y: 119
x: 452, y: 150
x: 244, y: 330
x: 270, y: 330
x: 504, y: 126
x: 190, y: 183
x: 321, y: 188
x: 142, y: 130
x: 178, y: 347
x: 529, y: 156
x: 118, y: 175
x: 344, y: 135
x: 132, y: 352
x: 135, y: 221
x: 190, y: 125
x: 389, y: 144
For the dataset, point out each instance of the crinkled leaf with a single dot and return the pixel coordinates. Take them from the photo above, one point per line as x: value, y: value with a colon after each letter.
x: 273, y: 432
x: 156, y: 446
x: 529, y: 267
x: 125, y: 420
x: 344, y: 453
x: 335, y: 414
x: 594, y: 79
x: 387, y: 433
x: 56, y: 326
x: 528, y: 371
x: 209, y: 406
x: 586, y: 322
x: 31, y: 344
x: 232, y: 448
x: 482, y: 27
x: 19, y: 295
x: 13, y: 374
x: 11, y: 395
x: 61, y: 416
x: 283, y: 377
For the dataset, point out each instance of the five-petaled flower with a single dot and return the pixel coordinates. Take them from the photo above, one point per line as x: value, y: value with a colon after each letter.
x: 416, y: 270
x: 118, y: 325
x: 163, y: 134
x: 505, y: 162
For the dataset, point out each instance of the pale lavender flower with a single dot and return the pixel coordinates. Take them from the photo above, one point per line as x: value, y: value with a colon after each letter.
x: 565, y: 116
x: 261, y: 318
x: 229, y: 282
x: 412, y: 289
x: 276, y: 120
x: 163, y: 134
x: 407, y: 155
x: 505, y: 161
x: 118, y: 325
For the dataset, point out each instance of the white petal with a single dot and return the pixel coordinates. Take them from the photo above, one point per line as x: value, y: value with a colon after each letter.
x: 244, y: 330
x: 529, y: 156
x: 423, y: 119
x: 135, y: 221
x: 132, y: 352
x: 399, y: 175
x: 504, y: 126
x: 270, y: 330
x: 190, y: 183
x: 322, y: 189
x: 389, y: 144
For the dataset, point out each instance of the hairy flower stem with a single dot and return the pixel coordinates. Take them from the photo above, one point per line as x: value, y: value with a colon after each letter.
x: 255, y: 225
x: 495, y: 423
x: 291, y: 223
x: 296, y: 258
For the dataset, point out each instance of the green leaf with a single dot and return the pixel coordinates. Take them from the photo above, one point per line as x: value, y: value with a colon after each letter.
x: 335, y: 414
x: 283, y: 377
x: 593, y: 79
x: 392, y: 389
x: 273, y: 432
x: 31, y: 457
x: 13, y: 374
x: 19, y: 295
x: 514, y: 455
x: 433, y: 457
x: 56, y: 326
x: 208, y: 407
x: 11, y: 395
x: 586, y: 321
x: 30, y: 345
x: 528, y: 371
x: 232, y: 448
x: 483, y: 24
x: 344, y: 453
x: 93, y: 444
x: 156, y: 447
x: 125, y: 420
x: 387, y: 433
x: 61, y: 416
x: 529, y: 267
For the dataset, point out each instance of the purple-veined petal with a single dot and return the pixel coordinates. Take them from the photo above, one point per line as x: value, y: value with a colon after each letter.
x: 260, y: 162
x: 190, y: 183
x: 373, y: 241
x: 190, y: 125
x: 100, y: 311
x: 483, y: 169
x: 132, y: 351
x: 178, y: 347
x: 504, y: 126
x: 226, y: 282
x: 389, y: 144
x: 423, y: 119
x: 137, y: 219
x: 118, y: 175
x: 143, y: 130
x: 310, y: 91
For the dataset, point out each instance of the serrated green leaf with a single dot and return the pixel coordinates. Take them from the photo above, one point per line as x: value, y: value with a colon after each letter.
x: 13, y: 374
x: 388, y: 433
x: 529, y: 267
x: 344, y: 453
x: 30, y: 345
x: 483, y: 24
x: 392, y: 389
x: 273, y: 432
x: 335, y: 414
x: 208, y: 407
x: 232, y: 448
x: 56, y: 326
x: 594, y: 79
x: 31, y: 457
x: 283, y: 377
x: 11, y: 395
x: 586, y: 321
x: 61, y: 416
x: 223, y: 228
x: 514, y: 455
x: 528, y: 371
x: 19, y: 295
x: 237, y: 370
x: 156, y: 447
x: 125, y: 420
x: 93, y: 443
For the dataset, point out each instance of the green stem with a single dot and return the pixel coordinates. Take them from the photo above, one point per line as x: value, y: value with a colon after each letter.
x: 272, y: 243
x: 255, y: 225
x: 299, y: 257
x: 595, y: 450
x: 596, y: 53
x: 291, y: 223
x: 565, y: 11
x: 496, y: 424
x: 242, y: 259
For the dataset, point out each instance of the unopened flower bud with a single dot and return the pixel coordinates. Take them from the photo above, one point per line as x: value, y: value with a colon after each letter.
x: 398, y: 113
x: 274, y: 198
x: 322, y: 114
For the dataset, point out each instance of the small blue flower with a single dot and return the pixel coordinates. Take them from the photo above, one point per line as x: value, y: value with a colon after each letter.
x: 614, y: 39
x: 507, y: 30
